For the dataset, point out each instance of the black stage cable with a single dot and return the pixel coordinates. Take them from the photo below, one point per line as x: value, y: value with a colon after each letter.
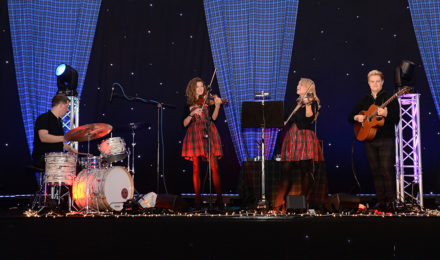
x: 353, y: 168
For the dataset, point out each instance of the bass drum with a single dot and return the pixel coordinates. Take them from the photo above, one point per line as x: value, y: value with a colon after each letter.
x: 108, y: 188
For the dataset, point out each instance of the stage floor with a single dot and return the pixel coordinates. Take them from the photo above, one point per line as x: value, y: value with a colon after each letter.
x: 232, y: 234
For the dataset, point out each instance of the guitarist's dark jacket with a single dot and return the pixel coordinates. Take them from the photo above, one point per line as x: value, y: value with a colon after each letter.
x: 393, y: 117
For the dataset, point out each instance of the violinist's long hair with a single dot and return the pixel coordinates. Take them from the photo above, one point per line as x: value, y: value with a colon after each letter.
x: 309, y: 83
x: 191, y: 95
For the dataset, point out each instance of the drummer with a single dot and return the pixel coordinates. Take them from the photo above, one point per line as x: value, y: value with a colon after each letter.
x: 48, y: 131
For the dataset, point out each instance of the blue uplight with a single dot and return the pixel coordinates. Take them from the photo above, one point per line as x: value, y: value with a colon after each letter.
x: 60, y: 69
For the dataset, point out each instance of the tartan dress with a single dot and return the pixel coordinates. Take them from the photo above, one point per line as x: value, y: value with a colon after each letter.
x: 195, y: 144
x: 299, y: 145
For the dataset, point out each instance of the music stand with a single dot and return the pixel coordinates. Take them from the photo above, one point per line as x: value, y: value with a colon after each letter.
x: 262, y: 114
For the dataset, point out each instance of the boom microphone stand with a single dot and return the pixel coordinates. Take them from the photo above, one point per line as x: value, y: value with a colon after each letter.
x: 208, y: 138
x: 160, y: 107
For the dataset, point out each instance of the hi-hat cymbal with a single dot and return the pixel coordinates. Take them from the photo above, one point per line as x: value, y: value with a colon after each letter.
x: 88, y: 132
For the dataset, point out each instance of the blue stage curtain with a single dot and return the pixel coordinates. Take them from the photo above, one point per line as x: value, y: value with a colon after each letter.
x: 251, y: 43
x: 46, y: 33
x: 425, y: 15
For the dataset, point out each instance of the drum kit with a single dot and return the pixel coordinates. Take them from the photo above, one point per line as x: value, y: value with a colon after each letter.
x: 99, y: 185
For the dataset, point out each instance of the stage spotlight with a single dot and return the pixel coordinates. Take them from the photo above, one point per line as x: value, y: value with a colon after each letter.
x: 404, y: 75
x: 67, y: 80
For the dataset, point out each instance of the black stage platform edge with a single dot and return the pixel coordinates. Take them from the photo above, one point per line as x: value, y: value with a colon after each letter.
x: 219, y: 237
x: 23, y: 201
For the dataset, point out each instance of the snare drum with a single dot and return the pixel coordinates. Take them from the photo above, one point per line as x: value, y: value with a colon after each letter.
x: 60, y: 168
x: 108, y: 188
x: 93, y: 162
x: 113, y: 149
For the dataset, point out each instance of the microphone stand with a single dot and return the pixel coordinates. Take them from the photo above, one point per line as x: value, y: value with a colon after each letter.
x: 262, y: 204
x: 160, y: 107
x: 208, y: 137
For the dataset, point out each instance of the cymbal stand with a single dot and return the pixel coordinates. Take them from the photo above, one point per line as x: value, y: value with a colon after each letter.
x: 88, y: 177
x: 132, y: 157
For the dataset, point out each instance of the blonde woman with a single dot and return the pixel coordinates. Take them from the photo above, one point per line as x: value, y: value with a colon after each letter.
x: 301, y: 151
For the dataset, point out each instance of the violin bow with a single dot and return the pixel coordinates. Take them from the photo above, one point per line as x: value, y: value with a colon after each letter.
x: 209, y: 86
x: 212, y: 79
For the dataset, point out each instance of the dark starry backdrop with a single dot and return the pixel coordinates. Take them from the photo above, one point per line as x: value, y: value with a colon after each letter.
x: 153, y: 48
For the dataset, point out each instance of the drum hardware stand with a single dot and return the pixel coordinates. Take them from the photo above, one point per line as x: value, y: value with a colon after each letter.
x: 38, y: 194
x: 87, y: 208
x: 55, y: 193
x: 132, y: 157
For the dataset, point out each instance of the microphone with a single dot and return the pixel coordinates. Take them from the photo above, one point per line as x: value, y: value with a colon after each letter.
x: 111, y: 95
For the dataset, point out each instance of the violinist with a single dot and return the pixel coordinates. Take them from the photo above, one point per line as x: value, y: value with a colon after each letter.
x: 198, y: 114
x: 301, y: 152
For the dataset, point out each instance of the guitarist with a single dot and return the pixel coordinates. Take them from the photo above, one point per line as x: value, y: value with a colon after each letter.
x: 380, y: 150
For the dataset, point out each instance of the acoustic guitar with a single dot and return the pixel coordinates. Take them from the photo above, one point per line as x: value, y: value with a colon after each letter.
x: 366, y: 131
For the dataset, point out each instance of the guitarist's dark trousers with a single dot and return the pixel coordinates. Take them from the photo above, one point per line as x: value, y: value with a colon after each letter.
x: 380, y: 154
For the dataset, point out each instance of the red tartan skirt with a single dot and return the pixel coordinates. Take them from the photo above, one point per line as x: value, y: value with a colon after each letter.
x: 299, y: 145
x: 195, y: 144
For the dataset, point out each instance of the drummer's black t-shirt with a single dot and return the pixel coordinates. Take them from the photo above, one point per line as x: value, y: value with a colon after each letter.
x: 54, y: 126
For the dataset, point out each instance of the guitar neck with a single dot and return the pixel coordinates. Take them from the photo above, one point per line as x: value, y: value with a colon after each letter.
x: 398, y: 94
x: 388, y: 101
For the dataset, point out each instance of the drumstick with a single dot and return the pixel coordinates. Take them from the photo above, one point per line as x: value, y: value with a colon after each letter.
x: 83, y: 153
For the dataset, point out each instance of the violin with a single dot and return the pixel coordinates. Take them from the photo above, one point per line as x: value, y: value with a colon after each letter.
x: 310, y: 98
x: 210, y: 100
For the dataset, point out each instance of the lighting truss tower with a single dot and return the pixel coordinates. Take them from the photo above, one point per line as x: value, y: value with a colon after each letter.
x: 71, y: 118
x: 409, y: 185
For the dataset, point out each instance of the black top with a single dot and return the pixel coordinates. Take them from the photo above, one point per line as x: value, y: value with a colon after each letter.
x: 54, y: 126
x: 393, y: 117
x: 300, y: 119
x: 187, y: 111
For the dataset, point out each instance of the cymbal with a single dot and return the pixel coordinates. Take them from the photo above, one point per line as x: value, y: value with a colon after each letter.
x: 88, y: 132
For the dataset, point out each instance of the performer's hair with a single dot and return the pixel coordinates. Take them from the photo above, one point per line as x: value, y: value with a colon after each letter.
x: 191, y: 96
x: 59, y: 98
x: 375, y: 73
x: 309, y: 83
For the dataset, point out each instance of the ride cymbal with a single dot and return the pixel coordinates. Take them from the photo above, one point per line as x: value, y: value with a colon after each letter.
x: 88, y: 132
